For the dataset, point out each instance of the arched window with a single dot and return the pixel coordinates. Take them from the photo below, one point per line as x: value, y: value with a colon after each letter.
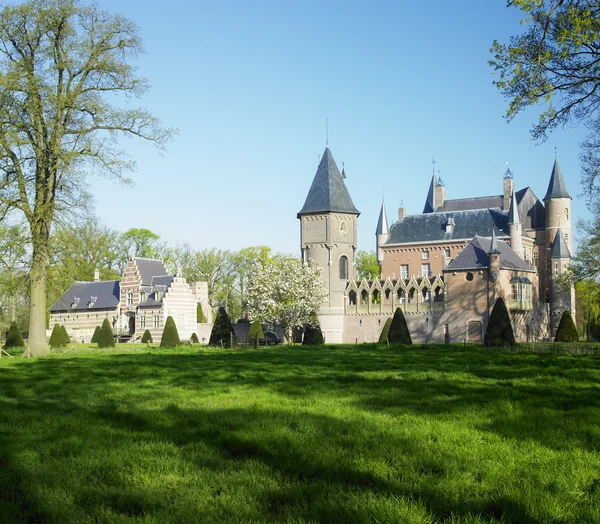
x: 343, y: 267
x: 566, y: 213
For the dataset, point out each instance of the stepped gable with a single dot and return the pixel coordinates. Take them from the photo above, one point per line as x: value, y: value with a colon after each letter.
x: 560, y: 249
x: 429, y: 227
x: 161, y: 283
x: 149, y: 268
x: 91, y: 296
x: 328, y: 191
x: 475, y: 256
x: 556, y: 187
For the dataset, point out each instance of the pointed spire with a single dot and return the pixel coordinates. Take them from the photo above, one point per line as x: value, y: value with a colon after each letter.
x: 382, y: 223
x: 556, y: 187
x: 430, y: 195
x: 513, y: 212
x: 328, y: 193
x: 493, y: 245
x: 559, y: 246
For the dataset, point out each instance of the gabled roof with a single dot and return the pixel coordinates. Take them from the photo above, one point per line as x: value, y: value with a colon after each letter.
x: 149, y: 268
x: 382, y: 223
x: 556, y: 187
x: 430, y: 227
x: 474, y: 256
x: 328, y: 191
x: 560, y: 249
x: 89, y: 296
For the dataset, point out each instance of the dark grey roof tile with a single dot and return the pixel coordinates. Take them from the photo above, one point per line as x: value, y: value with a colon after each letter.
x: 80, y: 296
x: 556, y: 187
x: 149, y: 268
x: 474, y: 256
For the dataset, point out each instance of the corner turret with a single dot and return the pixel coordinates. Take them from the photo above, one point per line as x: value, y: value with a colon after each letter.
x: 514, y: 226
x: 381, y: 235
x: 494, y: 257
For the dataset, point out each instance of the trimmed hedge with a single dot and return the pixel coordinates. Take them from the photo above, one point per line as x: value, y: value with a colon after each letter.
x: 200, y: 316
x: 399, y: 333
x: 170, y: 336
x: 66, y: 336
x: 313, y: 336
x: 57, y: 338
x: 499, y: 332
x: 386, y: 330
x: 14, y: 339
x: 222, y: 329
x: 96, y: 335
x: 106, y: 338
x: 194, y: 339
x: 147, y: 337
x: 566, y: 332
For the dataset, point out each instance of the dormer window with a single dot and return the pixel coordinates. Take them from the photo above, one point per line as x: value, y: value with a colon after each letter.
x: 75, y: 302
x: 143, y: 296
x: 92, y: 301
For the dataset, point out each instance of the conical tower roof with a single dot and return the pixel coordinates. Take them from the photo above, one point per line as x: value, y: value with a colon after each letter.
x: 556, y: 187
x: 513, y: 212
x: 493, y: 245
x: 382, y: 223
x: 559, y: 246
x: 429, y: 202
x: 328, y: 192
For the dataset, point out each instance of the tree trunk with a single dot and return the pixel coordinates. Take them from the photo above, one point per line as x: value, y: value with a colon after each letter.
x: 37, y: 345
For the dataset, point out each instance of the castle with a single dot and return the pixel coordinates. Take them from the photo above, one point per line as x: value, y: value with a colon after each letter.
x: 446, y: 266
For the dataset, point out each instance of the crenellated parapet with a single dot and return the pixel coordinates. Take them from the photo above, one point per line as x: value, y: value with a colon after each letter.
x: 415, y: 294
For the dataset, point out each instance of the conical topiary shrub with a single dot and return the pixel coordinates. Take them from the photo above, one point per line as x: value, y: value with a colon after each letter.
x: 200, y: 316
x: 386, y: 330
x: 566, y: 332
x: 399, y: 333
x: 57, y: 338
x: 313, y: 336
x: 96, y: 335
x: 66, y: 337
x: 14, y: 339
x: 170, y: 336
x: 255, y: 333
x: 147, y: 337
x: 106, y: 338
x: 222, y: 330
x: 499, y: 332
x: 194, y: 339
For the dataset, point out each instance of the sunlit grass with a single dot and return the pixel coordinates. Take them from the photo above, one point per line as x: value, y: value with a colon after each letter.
x: 338, y: 434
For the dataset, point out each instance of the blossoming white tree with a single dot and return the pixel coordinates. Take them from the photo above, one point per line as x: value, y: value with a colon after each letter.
x: 285, y: 292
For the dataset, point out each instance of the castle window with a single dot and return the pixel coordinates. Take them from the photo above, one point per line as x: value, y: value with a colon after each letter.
x: 469, y: 276
x: 555, y: 269
x: 520, y: 294
x: 143, y: 321
x: 404, y: 271
x: 343, y: 267
x: 156, y: 320
x: 425, y: 254
x: 129, y: 297
x: 447, y: 252
x: 343, y: 229
x: 143, y: 296
x: 535, y: 258
x: 566, y: 213
x: 426, y: 270
x: 567, y: 238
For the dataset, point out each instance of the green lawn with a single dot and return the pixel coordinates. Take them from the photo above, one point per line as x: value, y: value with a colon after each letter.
x: 343, y: 434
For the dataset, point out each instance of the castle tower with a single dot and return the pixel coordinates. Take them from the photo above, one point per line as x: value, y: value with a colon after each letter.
x: 328, y: 238
x: 435, y: 196
x: 558, y: 209
x: 561, y: 298
x: 381, y: 235
x: 514, y: 227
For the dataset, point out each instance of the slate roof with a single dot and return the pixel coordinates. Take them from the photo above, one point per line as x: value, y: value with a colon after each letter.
x: 556, y: 187
x: 465, y: 204
x: 428, y: 208
x: 430, y: 227
x: 149, y: 268
x: 328, y: 191
x: 493, y: 245
x: 106, y: 293
x: 474, y: 256
x: 382, y: 223
x: 559, y: 246
x: 161, y: 283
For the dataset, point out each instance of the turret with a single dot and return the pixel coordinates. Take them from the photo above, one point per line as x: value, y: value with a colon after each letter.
x: 381, y: 235
x: 558, y: 209
x: 494, y: 257
x: 435, y: 196
x: 509, y: 187
x: 561, y: 298
x: 514, y: 226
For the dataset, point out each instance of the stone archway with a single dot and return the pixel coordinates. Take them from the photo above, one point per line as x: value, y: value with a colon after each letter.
x: 131, y: 324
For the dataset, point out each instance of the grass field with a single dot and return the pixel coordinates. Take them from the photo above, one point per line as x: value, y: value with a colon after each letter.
x: 344, y: 434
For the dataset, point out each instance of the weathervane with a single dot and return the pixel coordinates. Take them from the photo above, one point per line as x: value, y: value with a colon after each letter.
x: 508, y: 172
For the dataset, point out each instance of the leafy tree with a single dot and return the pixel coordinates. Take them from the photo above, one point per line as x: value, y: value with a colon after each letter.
x: 386, y: 330
x: 170, y: 336
x: 367, y: 266
x: 147, y: 337
x: 194, y: 339
x: 141, y: 243
x: 255, y: 332
x: 566, y: 332
x: 399, y: 333
x: 62, y: 63
x: 14, y: 339
x: 222, y: 329
x: 106, y: 338
x: 200, y: 317
x: 555, y: 62
x: 96, y: 335
x: 499, y: 332
x: 285, y: 292
x: 65, y: 335
x: 14, y: 270
x: 57, y: 338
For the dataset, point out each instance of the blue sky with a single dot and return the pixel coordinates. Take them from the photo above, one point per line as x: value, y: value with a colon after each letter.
x: 250, y: 84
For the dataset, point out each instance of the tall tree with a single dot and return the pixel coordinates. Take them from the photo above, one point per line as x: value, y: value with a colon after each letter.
x: 60, y: 61
x: 14, y: 268
x: 555, y: 62
x: 141, y: 243
x: 367, y: 266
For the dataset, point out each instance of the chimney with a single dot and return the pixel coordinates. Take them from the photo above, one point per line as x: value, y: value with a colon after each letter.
x: 401, y: 213
x: 96, y: 275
